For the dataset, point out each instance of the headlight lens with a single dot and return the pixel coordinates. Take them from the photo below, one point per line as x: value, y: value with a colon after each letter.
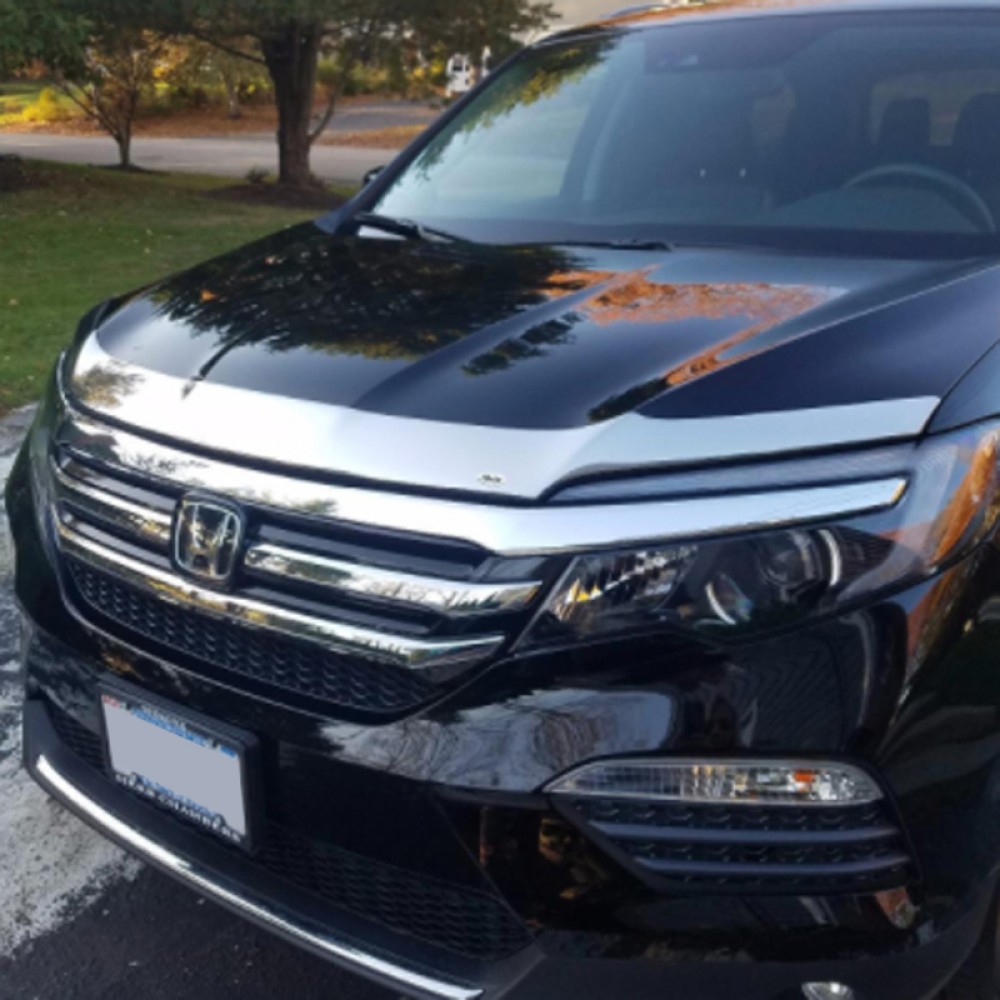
x: 755, y: 582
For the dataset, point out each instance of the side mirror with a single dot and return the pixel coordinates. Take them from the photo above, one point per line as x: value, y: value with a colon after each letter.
x: 371, y: 175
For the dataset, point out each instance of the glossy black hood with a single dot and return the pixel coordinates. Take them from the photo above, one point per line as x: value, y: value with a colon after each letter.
x: 556, y: 337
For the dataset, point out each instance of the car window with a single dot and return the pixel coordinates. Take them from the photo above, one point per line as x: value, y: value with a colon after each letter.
x: 942, y: 96
x: 515, y: 146
x: 858, y: 129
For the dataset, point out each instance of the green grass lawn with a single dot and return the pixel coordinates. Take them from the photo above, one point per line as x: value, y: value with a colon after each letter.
x: 19, y: 92
x: 14, y: 97
x: 84, y: 234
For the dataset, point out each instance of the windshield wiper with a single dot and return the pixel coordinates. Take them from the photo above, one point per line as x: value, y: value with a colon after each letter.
x: 406, y: 228
x: 633, y: 244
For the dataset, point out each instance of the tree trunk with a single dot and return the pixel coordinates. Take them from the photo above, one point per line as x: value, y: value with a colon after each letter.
x: 232, y: 85
x: 123, y: 140
x: 292, y: 57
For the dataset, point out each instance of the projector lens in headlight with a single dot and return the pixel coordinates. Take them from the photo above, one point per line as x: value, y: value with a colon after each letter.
x: 601, y: 588
x: 753, y: 581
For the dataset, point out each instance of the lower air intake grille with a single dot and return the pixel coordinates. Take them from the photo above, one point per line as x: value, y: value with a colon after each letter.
x: 307, y: 670
x: 455, y: 918
x: 784, y: 849
x: 78, y: 739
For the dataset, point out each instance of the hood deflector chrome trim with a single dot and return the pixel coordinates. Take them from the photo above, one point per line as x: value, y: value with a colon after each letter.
x: 501, y: 462
x: 503, y: 530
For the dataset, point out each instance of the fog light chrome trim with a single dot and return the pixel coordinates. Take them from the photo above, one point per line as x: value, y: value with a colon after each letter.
x: 722, y: 782
x: 241, y: 901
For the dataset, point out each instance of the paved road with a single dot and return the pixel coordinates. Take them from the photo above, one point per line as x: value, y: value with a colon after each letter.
x: 228, y: 157
x: 365, y: 116
x: 79, y: 920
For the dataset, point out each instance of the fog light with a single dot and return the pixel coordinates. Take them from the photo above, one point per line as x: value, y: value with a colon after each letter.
x: 828, y: 991
x: 760, y: 782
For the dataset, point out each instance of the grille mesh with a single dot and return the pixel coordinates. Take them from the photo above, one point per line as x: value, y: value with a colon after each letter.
x: 455, y: 918
x: 292, y: 666
x: 79, y: 740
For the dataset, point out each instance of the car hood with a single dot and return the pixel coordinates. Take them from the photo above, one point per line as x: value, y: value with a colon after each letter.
x: 353, y: 342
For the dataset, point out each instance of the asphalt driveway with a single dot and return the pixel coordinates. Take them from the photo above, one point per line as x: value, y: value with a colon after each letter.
x: 79, y: 920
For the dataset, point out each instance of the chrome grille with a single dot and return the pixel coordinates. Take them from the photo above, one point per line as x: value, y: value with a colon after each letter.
x: 447, y: 596
x: 325, y: 611
x: 301, y: 669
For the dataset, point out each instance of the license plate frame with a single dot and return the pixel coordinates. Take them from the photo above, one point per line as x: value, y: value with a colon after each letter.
x: 221, y: 748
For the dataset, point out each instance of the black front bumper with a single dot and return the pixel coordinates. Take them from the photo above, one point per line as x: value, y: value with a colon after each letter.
x: 220, y: 874
x: 702, y: 965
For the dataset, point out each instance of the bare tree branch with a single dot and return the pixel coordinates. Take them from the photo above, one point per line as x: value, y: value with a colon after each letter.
x: 222, y: 46
x: 331, y: 106
x: 90, y: 107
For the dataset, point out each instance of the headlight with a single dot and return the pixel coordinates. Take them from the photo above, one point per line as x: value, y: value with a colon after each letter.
x: 752, y: 582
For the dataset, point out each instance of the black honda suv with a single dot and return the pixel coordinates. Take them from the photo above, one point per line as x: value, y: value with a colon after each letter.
x: 570, y: 569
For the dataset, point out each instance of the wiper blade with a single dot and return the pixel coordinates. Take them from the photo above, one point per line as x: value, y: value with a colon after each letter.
x: 620, y: 244
x: 406, y: 228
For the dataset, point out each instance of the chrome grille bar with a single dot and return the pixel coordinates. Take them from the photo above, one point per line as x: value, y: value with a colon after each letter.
x: 402, y: 651
x: 143, y: 523
x: 447, y: 597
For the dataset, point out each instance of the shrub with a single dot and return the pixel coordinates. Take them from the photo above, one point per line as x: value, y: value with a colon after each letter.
x: 46, y: 108
x: 258, y: 175
x: 428, y: 81
x: 256, y: 90
x: 367, y: 80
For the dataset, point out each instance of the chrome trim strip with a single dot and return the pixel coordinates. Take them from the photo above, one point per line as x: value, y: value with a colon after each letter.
x: 239, y: 899
x: 449, y: 597
x: 496, y: 461
x: 142, y: 522
x: 416, y: 654
x: 508, y: 531
x: 871, y: 790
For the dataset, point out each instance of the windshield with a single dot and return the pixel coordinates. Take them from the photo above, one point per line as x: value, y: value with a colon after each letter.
x: 878, y: 133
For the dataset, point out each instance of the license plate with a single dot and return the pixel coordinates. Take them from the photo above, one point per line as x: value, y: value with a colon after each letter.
x: 194, y: 769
